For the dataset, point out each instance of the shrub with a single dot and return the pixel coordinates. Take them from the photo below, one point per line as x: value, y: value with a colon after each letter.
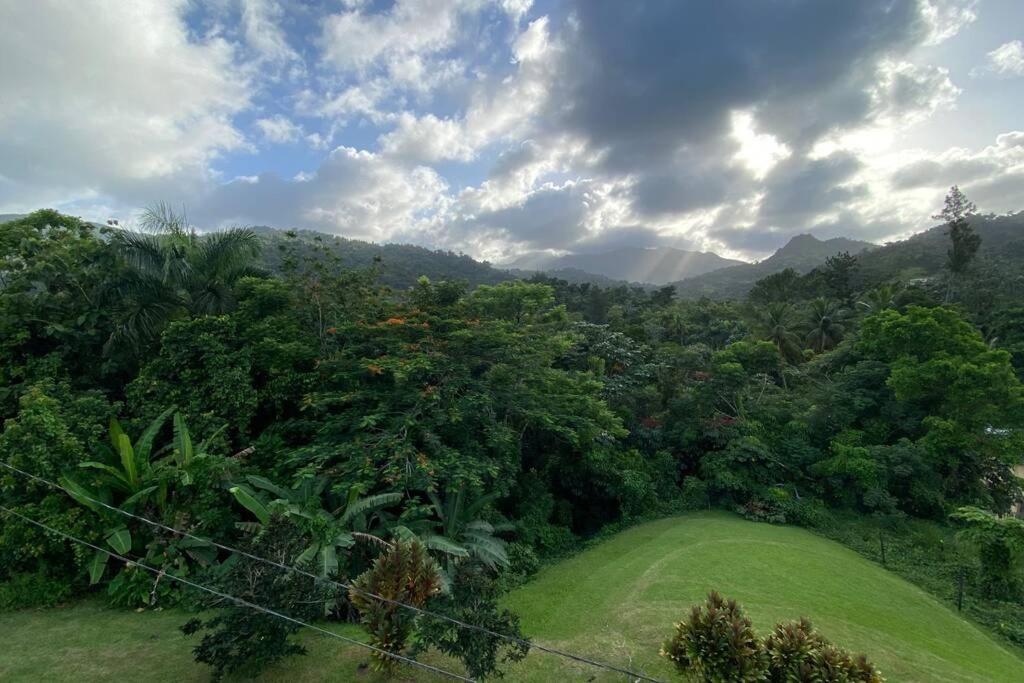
x: 695, y: 494
x: 405, y: 574
x: 473, y: 599
x: 241, y: 640
x: 717, y: 643
x: 25, y: 591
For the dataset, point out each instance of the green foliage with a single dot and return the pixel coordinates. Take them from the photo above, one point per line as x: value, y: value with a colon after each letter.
x: 717, y: 643
x: 24, y: 591
x: 404, y: 574
x: 1000, y: 543
x: 473, y: 599
x: 238, y: 640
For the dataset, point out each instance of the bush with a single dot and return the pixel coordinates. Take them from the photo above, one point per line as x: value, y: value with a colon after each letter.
x: 718, y: 644
x: 473, y: 599
x: 695, y: 494
x: 241, y: 640
x: 24, y: 591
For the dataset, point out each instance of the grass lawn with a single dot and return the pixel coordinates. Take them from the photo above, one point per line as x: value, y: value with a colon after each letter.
x: 615, y: 602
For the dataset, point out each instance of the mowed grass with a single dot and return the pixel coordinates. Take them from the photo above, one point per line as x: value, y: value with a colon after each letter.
x: 616, y: 602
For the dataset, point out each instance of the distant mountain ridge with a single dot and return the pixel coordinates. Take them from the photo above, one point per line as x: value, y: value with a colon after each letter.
x: 656, y: 266
x: 802, y: 253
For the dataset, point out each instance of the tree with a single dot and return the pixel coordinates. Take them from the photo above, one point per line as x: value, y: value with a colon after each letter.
x: 880, y: 298
x: 824, y: 326
x: 999, y: 540
x: 964, y: 241
x: 776, y: 322
x: 172, y: 270
x: 403, y: 574
x: 243, y: 641
x: 838, y: 275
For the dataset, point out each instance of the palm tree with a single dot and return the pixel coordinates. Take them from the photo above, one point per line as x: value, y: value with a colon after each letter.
x: 172, y: 270
x: 824, y: 327
x: 880, y: 298
x: 775, y: 322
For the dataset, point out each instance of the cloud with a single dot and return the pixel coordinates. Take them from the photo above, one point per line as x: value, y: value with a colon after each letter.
x: 427, y: 138
x: 278, y: 129
x: 1006, y: 61
x: 261, y: 24
x: 354, y: 193
x: 120, y: 99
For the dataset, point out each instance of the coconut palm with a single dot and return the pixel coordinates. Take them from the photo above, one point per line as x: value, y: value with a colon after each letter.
x: 171, y: 270
x: 776, y: 322
x: 880, y: 298
x: 824, y: 324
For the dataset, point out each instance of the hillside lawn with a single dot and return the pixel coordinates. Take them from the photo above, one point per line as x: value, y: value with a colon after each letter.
x: 615, y: 602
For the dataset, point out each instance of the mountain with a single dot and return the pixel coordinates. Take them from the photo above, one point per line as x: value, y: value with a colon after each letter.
x: 399, y: 265
x: 633, y: 264
x: 802, y: 253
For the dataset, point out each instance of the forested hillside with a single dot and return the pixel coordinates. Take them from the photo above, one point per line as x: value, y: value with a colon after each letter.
x: 437, y: 441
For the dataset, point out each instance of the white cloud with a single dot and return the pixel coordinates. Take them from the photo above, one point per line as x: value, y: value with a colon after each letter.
x: 1006, y: 61
x: 427, y: 138
x: 908, y: 93
x: 946, y: 17
x: 759, y: 152
x: 278, y: 129
x: 119, y: 100
x: 354, y: 192
x: 356, y: 41
x: 261, y: 21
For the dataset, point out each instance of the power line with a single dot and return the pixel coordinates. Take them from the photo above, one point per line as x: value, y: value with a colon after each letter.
x: 348, y: 586
x: 241, y: 601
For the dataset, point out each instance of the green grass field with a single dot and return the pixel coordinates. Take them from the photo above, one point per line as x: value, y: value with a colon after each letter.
x: 615, y: 602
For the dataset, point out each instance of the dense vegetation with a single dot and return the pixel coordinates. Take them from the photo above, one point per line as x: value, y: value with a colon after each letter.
x: 456, y: 435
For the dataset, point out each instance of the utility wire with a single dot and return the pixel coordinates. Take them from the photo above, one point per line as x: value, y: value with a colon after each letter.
x: 348, y: 586
x: 241, y: 601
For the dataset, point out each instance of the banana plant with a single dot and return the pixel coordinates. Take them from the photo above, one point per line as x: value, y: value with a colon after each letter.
x: 456, y: 530
x: 134, y: 476
x: 330, y: 530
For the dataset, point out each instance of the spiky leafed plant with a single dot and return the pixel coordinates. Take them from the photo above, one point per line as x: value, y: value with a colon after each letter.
x: 880, y: 298
x: 717, y: 642
x: 776, y: 322
x: 406, y: 574
x: 824, y: 324
x: 172, y: 270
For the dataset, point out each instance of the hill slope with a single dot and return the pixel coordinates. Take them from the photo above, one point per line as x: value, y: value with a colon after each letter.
x: 632, y: 264
x: 802, y: 253
x: 615, y: 602
x: 618, y: 600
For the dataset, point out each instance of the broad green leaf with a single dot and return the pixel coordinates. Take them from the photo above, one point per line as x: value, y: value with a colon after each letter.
x: 120, y: 539
x: 369, y: 504
x: 444, y: 545
x: 308, y: 554
x: 182, y: 441
x: 267, y: 485
x: 115, y: 434
x: 81, y: 494
x: 117, y: 474
x: 328, y: 561
x: 144, y: 447
x: 250, y: 503
x: 127, y: 455
x: 97, y: 565
x: 136, y: 497
x: 344, y: 540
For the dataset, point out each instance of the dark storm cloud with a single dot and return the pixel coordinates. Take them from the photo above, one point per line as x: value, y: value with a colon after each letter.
x: 641, y: 79
x: 931, y: 173
x: 799, y: 188
x: 549, y: 218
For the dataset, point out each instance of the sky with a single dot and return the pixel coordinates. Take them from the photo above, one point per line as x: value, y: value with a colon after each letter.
x: 506, y: 129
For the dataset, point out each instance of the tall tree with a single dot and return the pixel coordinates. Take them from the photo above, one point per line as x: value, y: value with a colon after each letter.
x: 964, y: 241
x: 173, y: 270
x: 824, y: 324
